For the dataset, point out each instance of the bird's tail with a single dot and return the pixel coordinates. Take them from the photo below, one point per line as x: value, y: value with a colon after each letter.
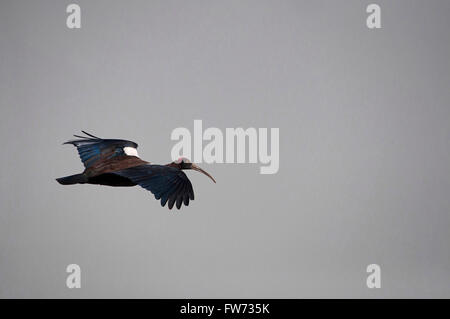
x: 73, y: 179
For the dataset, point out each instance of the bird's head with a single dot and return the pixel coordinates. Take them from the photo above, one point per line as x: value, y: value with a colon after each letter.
x: 184, y: 163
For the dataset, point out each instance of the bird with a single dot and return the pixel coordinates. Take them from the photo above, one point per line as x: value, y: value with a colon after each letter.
x: 115, y: 162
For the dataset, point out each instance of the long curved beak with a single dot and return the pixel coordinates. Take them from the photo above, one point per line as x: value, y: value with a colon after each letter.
x: 198, y: 169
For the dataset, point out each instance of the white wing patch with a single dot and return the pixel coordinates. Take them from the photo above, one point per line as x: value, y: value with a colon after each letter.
x: 130, y: 151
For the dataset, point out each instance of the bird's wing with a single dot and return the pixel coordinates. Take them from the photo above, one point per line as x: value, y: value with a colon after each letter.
x: 92, y: 149
x: 166, y: 183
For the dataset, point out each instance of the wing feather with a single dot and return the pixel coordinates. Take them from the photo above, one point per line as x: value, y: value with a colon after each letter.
x: 168, y: 184
x: 92, y: 149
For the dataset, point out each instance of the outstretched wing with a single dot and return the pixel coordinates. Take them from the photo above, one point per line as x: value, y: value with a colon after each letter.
x: 166, y: 183
x: 92, y: 149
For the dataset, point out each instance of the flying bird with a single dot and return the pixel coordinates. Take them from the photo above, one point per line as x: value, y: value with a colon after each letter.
x: 116, y: 162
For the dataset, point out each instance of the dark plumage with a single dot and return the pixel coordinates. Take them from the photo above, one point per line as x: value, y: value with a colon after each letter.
x: 115, y: 162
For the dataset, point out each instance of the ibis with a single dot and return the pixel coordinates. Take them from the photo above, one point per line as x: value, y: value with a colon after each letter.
x: 115, y: 162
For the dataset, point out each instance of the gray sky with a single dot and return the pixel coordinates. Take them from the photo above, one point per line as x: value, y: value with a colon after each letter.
x: 364, y: 148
